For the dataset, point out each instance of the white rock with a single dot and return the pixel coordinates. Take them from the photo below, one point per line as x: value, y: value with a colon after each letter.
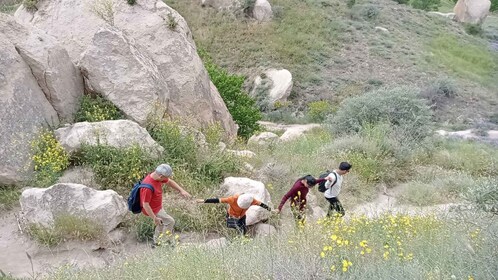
x: 262, y: 229
x: 43, y: 206
x: 263, y: 138
x: 281, y: 84
x: 262, y: 10
x: 472, y: 11
x: 118, y: 133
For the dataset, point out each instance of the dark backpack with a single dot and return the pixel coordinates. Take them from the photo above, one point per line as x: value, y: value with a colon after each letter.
x: 134, y: 198
x: 321, y: 185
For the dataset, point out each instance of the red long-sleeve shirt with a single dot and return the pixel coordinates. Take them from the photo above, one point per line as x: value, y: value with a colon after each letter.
x: 297, y: 194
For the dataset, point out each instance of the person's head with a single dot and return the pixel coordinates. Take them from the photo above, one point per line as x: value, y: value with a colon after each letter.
x: 163, y: 171
x: 309, y: 181
x: 244, y: 201
x: 344, y: 168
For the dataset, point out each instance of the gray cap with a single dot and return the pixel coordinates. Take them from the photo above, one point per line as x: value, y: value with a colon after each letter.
x: 165, y: 170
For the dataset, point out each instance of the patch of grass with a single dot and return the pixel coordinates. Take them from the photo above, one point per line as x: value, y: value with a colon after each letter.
x: 65, y: 227
x: 9, y: 197
x: 9, y: 6
x: 473, y: 62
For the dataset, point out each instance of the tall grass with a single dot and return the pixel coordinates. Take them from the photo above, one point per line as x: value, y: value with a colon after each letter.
x: 471, y: 61
x: 390, y: 246
x: 9, y: 197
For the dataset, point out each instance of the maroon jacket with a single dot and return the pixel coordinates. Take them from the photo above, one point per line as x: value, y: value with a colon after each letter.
x: 297, y: 194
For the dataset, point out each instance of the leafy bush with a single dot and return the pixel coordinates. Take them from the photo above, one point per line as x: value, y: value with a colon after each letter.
x: 30, y: 5
x: 403, y: 1
x: 426, y: 5
x: 485, y: 195
x: 365, y: 12
x: 49, y: 159
x: 318, y: 110
x: 399, y: 107
x: 240, y: 105
x: 439, y: 92
x: 131, y: 2
x: 96, y: 109
x: 143, y: 227
x: 494, y: 5
x: 114, y: 168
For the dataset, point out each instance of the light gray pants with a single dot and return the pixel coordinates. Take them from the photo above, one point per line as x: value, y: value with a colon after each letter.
x: 164, y: 231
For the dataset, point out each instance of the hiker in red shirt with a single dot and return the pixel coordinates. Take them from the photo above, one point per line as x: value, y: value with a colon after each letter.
x: 152, y: 201
x: 237, y: 207
x: 297, y: 195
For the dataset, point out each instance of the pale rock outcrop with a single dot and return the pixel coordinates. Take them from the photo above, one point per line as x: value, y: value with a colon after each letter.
x: 43, y: 205
x: 114, y: 67
x: 158, y: 31
x: 57, y: 76
x: 262, y: 229
x: 291, y: 131
x: 471, y: 11
x: 242, y: 153
x: 118, y: 133
x: 262, y: 10
x: 278, y: 85
x: 239, y: 185
x: 263, y: 138
x: 24, y: 110
x: 446, y: 15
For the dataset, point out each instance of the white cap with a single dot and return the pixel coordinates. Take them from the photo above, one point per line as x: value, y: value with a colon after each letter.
x: 245, y: 200
x: 165, y: 170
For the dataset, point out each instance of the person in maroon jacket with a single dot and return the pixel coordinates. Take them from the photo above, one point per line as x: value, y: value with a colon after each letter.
x: 297, y: 195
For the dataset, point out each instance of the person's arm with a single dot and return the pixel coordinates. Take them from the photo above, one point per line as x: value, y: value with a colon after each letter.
x: 148, y: 210
x: 262, y: 205
x: 331, y: 180
x: 291, y: 193
x: 177, y: 187
x: 208, y: 200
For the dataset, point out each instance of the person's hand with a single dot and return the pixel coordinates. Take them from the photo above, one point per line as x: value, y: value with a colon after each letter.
x: 199, y: 200
x: 185, y: 194
x: 276, y: 211
x: 157, y: 221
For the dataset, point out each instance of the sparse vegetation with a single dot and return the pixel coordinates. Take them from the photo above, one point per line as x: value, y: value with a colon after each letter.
x: 9, y: 197
x: 30, y: 5
x: 95, y: 109
x: 104, y: 9
x: 171, y: 21
x: 131, y: 2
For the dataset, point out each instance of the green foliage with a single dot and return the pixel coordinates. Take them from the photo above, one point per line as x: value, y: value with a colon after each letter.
x: 261, y: 93
x: 143, y: 227
x: 426, y: 5
x: 65, y: 227
x: 365, y: 12
x: 30, y: 5
x: 49, y: 159
x: 485, y: 195
x: 473, y: 62
x: 172, y: 22
x: 403, y: 1
x: 494, y: 5
x: 439, y: 92
x: 9, y: 196
x: 399, y: 107
x: 318, y: 110
x: 131, y: 2
x: 351, y: 3
x: 116, y: 169
x: 473, y: 29
x: 96, y: 109
x: 240, y: 105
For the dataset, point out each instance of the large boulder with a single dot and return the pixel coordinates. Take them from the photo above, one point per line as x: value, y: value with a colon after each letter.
x: 43, y: 205
x: 24, y: 110
x: 239, y: 185
x: 277, y: 84
x: 471, y: 11
x: 59, y: 79
x: 119, y: 134
x: 114, y: 67
x: 159, y: 33
x: 262, y: 10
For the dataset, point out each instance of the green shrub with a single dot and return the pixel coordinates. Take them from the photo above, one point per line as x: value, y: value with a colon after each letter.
x: 426, y: 5
x: 484, y: 195
x: 365, y: 12
x: 439, y: 92
x: 240, y: 105
x: 318, y: 110
x: 261, y: 94
x: 49, y: 159
x: 9, y: 196
x: 116, y: 169
x: 399, y: 107
x: 403, y: 1
x: 494, y: 5
x: 473, y: 29
x: 131, y: 2
x: 351, y: 3
x: 30, y: 5
x: 143, y: 227
x: 96, y: 109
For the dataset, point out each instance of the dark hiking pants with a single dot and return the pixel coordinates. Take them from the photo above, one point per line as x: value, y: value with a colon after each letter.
x: 239, y: 224
x: 335, y: 205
